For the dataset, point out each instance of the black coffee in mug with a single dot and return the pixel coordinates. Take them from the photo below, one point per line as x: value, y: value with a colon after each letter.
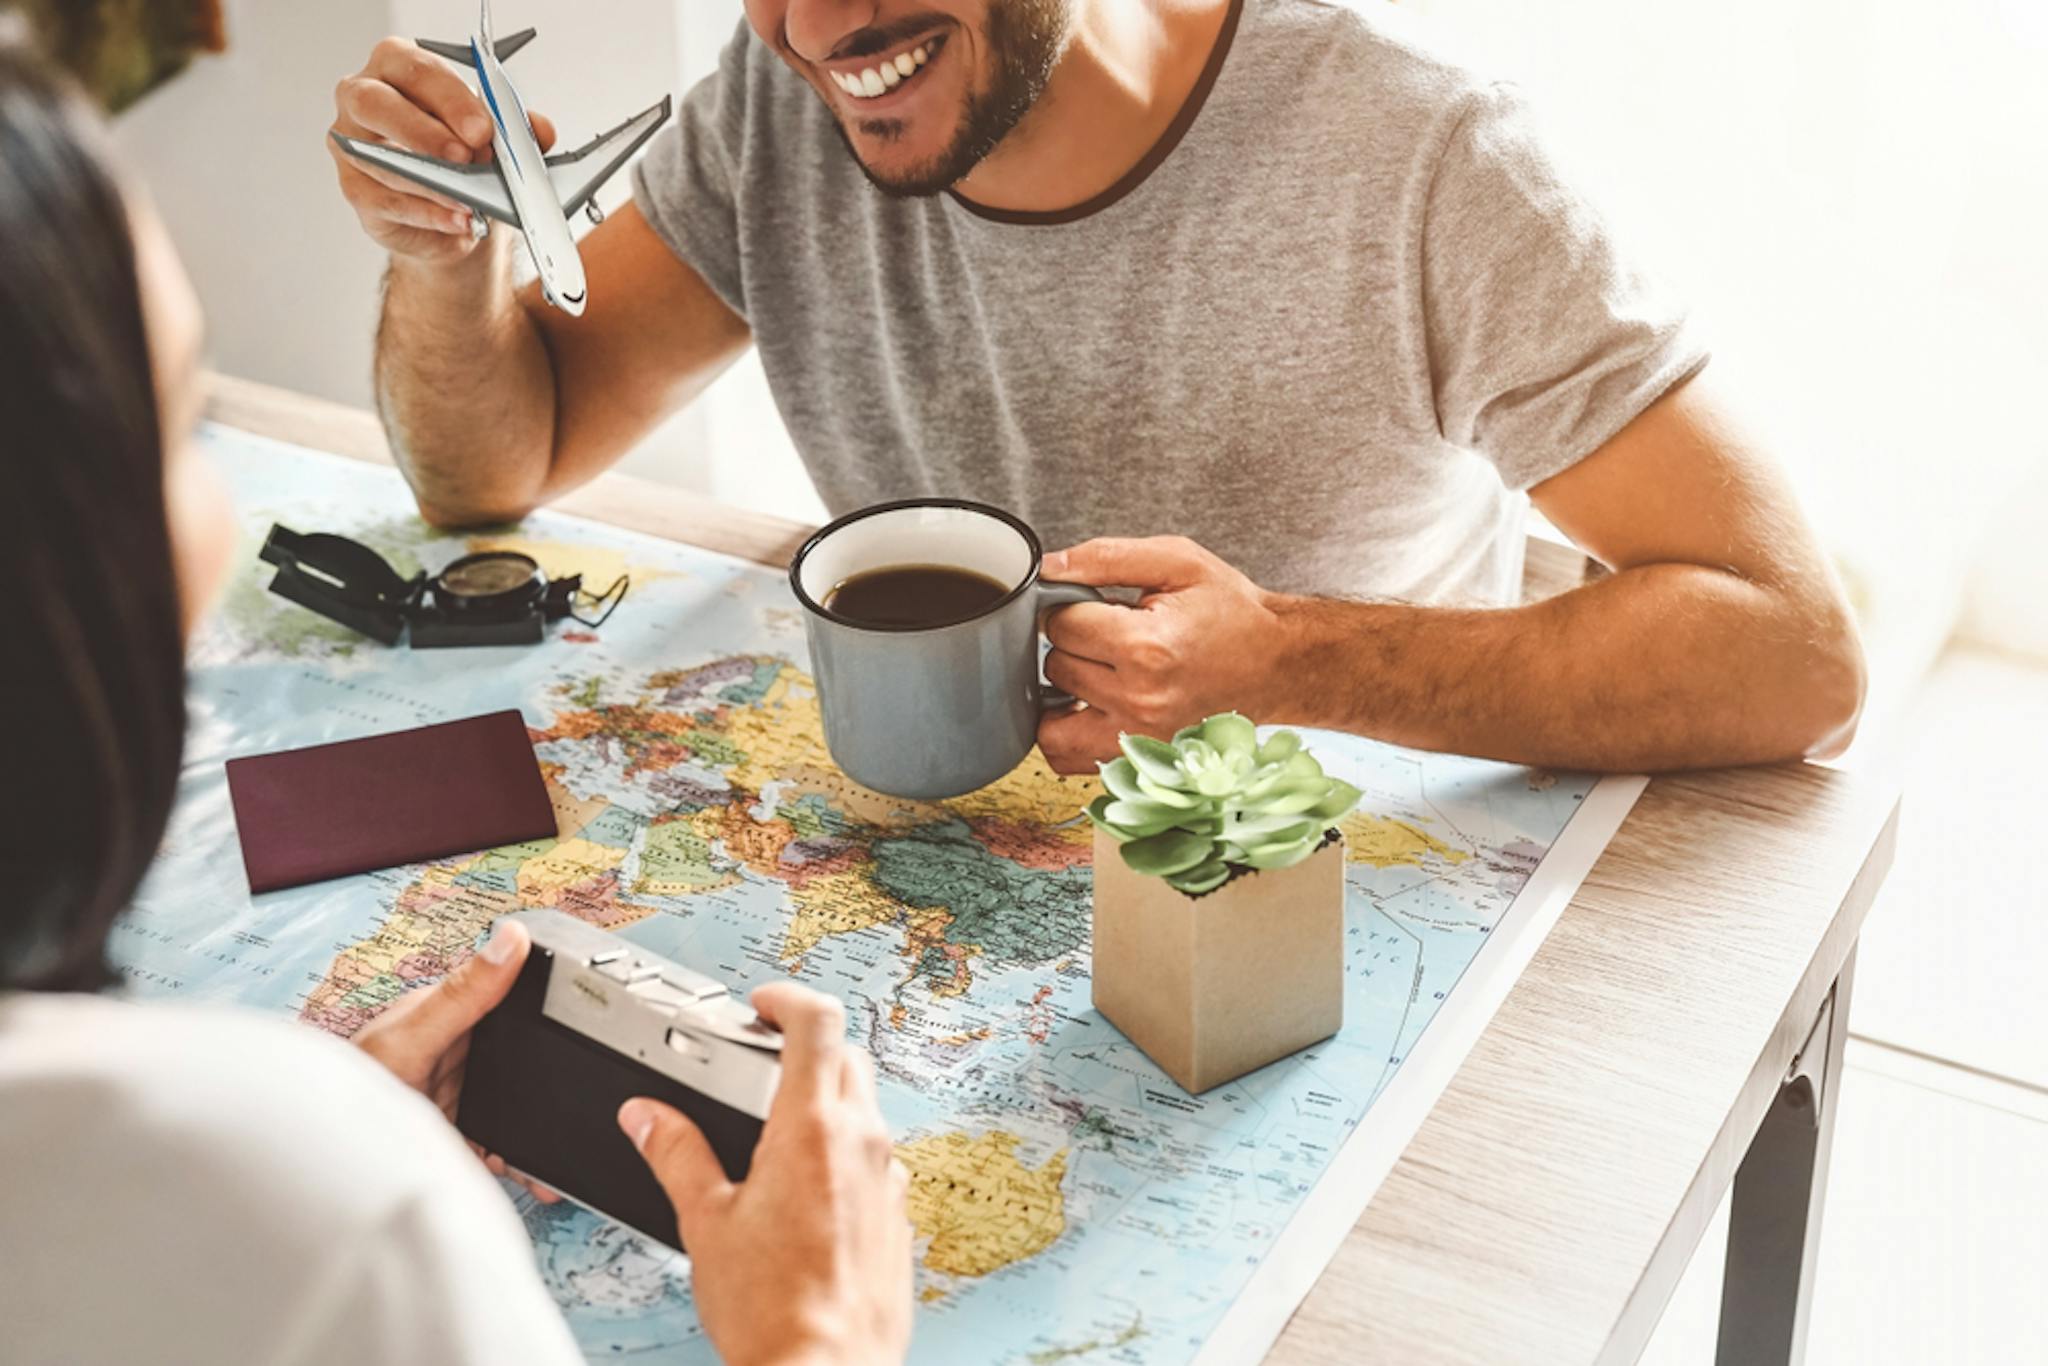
x: 915, y: 706
x: 914, y: 597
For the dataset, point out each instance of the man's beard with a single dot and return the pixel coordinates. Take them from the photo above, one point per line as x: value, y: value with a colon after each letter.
x: 1026, y: 38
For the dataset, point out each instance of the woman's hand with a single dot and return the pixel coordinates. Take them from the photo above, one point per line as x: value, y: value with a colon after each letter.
x: 422, y: 1038
x: 808, y: 1259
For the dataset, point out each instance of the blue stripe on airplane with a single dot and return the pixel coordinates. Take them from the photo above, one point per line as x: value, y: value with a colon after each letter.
x: 492, y: 100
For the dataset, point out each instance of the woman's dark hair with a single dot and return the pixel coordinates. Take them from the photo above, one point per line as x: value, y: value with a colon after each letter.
x: 91, y: 658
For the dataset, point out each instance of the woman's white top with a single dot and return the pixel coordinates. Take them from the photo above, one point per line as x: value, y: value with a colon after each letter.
x: 196, y: 1184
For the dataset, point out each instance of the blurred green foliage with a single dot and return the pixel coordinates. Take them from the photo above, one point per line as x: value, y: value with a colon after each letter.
x: 121, y: 49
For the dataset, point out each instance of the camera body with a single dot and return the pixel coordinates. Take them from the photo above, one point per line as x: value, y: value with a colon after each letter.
x: 592, y: 1022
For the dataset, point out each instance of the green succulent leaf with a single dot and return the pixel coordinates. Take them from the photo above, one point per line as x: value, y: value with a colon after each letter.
x: 1262, y: 780
x: 1167, y: 853
x: 1143, y: 818
x: 1292, y: 797
x: 1098, y: 812
x: 1153, y: 759
x: 1121, y: 778
x: 1214, y: 774
x: 1217, y: 798
x: 1266, y: 829
x: 1230, y: 733
x: 1280, y: 746
x: 1264, y: 855
x: 1302, y: 764
x: 1203, y: 877
x: 1341, y: 798
x: 1272, y: 856
x: 1298, y: 766
x: 1166, y: 796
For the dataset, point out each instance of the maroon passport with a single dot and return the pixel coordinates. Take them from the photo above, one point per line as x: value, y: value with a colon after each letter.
x: 310, y: 814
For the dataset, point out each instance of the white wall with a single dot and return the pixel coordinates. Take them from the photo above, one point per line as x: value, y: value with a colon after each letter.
x: 1852, y: 192
x: 746, y: 457
x: 232, y: 154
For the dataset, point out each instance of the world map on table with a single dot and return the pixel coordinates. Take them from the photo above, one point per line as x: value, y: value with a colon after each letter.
x: 1070, y: 1201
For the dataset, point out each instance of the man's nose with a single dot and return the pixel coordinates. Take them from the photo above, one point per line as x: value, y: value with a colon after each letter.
x: 816, y: 28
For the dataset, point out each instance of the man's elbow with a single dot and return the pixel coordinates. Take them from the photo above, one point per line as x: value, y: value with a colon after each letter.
x: 1836, y: 682
x: 454, y: 499
x: 446, y: 512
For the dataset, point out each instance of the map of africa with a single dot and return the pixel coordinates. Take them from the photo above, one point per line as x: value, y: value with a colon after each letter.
x: 1070, y: 1201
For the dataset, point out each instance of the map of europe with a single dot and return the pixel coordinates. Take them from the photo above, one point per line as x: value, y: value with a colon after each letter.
x: 1070, y: 1201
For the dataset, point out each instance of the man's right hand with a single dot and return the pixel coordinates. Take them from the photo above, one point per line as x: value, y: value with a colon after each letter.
x: 808, y: 1259
x: 407, y: 97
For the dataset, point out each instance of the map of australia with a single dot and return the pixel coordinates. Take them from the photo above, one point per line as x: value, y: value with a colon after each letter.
x: 1069, y: 1200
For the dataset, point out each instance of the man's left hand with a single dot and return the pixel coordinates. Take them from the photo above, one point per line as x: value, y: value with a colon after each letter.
x: 1201, y: 640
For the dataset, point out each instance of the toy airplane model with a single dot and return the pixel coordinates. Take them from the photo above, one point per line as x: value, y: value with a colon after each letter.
x: 519, y: 186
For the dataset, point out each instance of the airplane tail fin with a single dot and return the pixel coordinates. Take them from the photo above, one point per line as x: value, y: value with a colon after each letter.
x: 459, y: 52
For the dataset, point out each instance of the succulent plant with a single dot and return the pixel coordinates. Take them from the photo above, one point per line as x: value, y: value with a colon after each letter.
x: 1215, y: 800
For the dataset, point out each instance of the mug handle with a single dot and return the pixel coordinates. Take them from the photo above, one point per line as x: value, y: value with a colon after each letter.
x: 1051, y: 597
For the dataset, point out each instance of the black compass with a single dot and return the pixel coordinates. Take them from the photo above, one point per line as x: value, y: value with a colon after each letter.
x: 495, y: 597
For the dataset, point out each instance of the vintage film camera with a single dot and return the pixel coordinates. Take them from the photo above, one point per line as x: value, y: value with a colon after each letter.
x: 591, y: 1023
x: 498, y: 597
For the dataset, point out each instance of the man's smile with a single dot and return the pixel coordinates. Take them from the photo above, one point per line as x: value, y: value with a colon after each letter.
x: 917, y: 110
x: 883, y: 80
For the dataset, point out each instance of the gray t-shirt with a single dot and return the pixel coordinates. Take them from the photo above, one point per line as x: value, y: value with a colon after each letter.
x: 1331, y: 328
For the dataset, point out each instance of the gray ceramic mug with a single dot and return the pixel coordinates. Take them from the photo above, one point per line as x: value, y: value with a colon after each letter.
x: 930, y: 711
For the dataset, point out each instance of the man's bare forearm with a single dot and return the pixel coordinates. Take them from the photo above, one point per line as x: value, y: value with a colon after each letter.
x: 465, y: 387
x: 1662, y: 666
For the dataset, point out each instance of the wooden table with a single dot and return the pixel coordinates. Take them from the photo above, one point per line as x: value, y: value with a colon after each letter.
x: 1680, y: 1030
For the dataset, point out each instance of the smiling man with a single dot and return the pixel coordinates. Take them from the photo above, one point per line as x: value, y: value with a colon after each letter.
x: 1263, y: 307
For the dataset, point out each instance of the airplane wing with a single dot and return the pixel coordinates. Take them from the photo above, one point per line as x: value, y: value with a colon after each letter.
x: 459, y: 52
x: 477, y: 185
x: 576, y: 175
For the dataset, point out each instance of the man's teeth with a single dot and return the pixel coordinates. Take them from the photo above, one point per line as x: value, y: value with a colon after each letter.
x: 884, y: 77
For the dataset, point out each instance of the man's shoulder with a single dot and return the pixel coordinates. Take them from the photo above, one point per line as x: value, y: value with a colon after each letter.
x: 1361, y: 55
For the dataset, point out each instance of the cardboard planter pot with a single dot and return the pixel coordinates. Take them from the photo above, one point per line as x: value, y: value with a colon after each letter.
x: 1214, y: 986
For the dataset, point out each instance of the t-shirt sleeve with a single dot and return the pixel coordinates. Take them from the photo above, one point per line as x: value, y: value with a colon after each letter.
x: 1543, y: 340
x: 687, y: 186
